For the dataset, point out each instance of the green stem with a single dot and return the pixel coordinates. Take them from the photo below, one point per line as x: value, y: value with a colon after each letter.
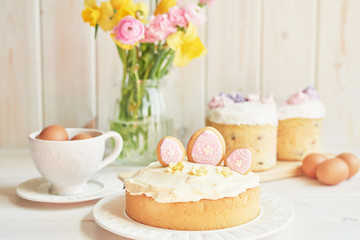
x: 123, y: 57
x: 133, y: 58
x: 96, y: 30
x: 164, y: 57
x: 124, y: 91
x: 154, y: 62
x: 146, y: 75
x: 167, y: 65
x: 157, y: 63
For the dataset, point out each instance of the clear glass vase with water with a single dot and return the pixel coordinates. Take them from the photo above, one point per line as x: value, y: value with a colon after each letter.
x: 142, y: 118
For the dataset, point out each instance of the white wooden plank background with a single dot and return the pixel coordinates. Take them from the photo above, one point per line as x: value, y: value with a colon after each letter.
x: 109, y: 75
x: 68, y: 64
x: 339, y: 70
x: 289, y: 41
x: 52, y: 70
x: 234, y: 38
x: 20, y: 74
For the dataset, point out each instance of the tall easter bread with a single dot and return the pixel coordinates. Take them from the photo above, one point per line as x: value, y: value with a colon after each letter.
x: 300, y: 124
x: 250, y: 122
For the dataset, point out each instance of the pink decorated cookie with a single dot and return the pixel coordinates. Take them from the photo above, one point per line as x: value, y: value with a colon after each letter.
x: 170, y: 150
x: 206, y: 146
x: 240, y: 160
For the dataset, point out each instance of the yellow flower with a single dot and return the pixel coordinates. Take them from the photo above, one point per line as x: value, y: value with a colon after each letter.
x: 106, y: 21
x: 93, y: 14
x: 163, y: 6
x: 187, y: 46
x: 118, y: 4
x: 142, y: 12
x: 175, y: 167
x: 121, y: 45
x: 129, y: 8
x: 198, y: 171
x: 225, y: 171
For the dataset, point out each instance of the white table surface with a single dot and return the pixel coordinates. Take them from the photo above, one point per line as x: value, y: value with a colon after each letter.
x: 321, y: 212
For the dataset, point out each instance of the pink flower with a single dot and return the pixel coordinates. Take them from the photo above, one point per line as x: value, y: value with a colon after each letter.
x: 177, y: 17
x: 129, y: 30
x: 195, y: 14
x: 210, y: 2
x: 159, y: 28
x: 149, y: 37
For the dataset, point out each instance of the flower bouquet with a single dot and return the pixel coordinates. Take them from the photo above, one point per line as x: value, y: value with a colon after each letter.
x: 147, y: 47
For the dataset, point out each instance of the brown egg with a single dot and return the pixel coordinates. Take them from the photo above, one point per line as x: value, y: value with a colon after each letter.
x: 54, y: 133
x: 81, y: 136
x: 311, y: 162
x: 332, y: 171
x: 352, y: 161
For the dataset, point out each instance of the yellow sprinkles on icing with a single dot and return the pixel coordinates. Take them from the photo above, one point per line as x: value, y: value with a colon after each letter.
x: 225, y: 171
x: 175, y: 167
x: 198, y: 171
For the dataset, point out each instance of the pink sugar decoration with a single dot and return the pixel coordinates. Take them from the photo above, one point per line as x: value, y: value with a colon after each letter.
x: 269, y: 100
x: 298, y: 98
x: 220, y: 101
x: 253, y: 97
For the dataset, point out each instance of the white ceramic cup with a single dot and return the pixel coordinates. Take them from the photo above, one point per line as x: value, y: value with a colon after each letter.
x: 68, y: 165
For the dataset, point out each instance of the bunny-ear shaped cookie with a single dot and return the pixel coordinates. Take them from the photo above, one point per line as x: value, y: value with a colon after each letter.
x: 206, y: 146
x: 170, y: 150
x: 240, y: 160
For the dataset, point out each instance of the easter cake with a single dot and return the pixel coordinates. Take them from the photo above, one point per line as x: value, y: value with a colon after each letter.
x: 197, y: 194
x: 300, y: 123
x: 249, y: 121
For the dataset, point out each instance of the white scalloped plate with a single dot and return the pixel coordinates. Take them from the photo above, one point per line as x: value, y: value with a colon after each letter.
x: 277, y: 212
x: 102, y: 184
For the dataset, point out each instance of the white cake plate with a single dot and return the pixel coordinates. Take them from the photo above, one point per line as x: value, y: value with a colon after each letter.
x: 276, y: 213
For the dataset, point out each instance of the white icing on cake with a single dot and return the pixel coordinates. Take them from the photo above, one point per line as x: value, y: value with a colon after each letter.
x: 155, y: 181
x: 313, y: 109
x: 244, y: 113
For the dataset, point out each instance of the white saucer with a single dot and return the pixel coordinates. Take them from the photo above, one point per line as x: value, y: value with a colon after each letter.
x: 276, y: 213
x: 100, y: 185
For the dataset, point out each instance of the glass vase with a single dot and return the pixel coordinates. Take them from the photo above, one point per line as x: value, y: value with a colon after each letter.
x: 142, y: 118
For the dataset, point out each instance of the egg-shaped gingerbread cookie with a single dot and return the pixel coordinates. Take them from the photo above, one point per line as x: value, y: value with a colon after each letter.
x: 240, y: 159
x: 206, y: 146
x: 170, y: 150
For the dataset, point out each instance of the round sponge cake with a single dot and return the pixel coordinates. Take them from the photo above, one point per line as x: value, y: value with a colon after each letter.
x: 213, y: 198
x: 204, y: 214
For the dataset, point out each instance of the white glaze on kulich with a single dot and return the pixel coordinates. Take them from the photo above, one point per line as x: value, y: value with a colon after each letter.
x: 245, y: 113
x: 311, y: 109
x: 156, y: 182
